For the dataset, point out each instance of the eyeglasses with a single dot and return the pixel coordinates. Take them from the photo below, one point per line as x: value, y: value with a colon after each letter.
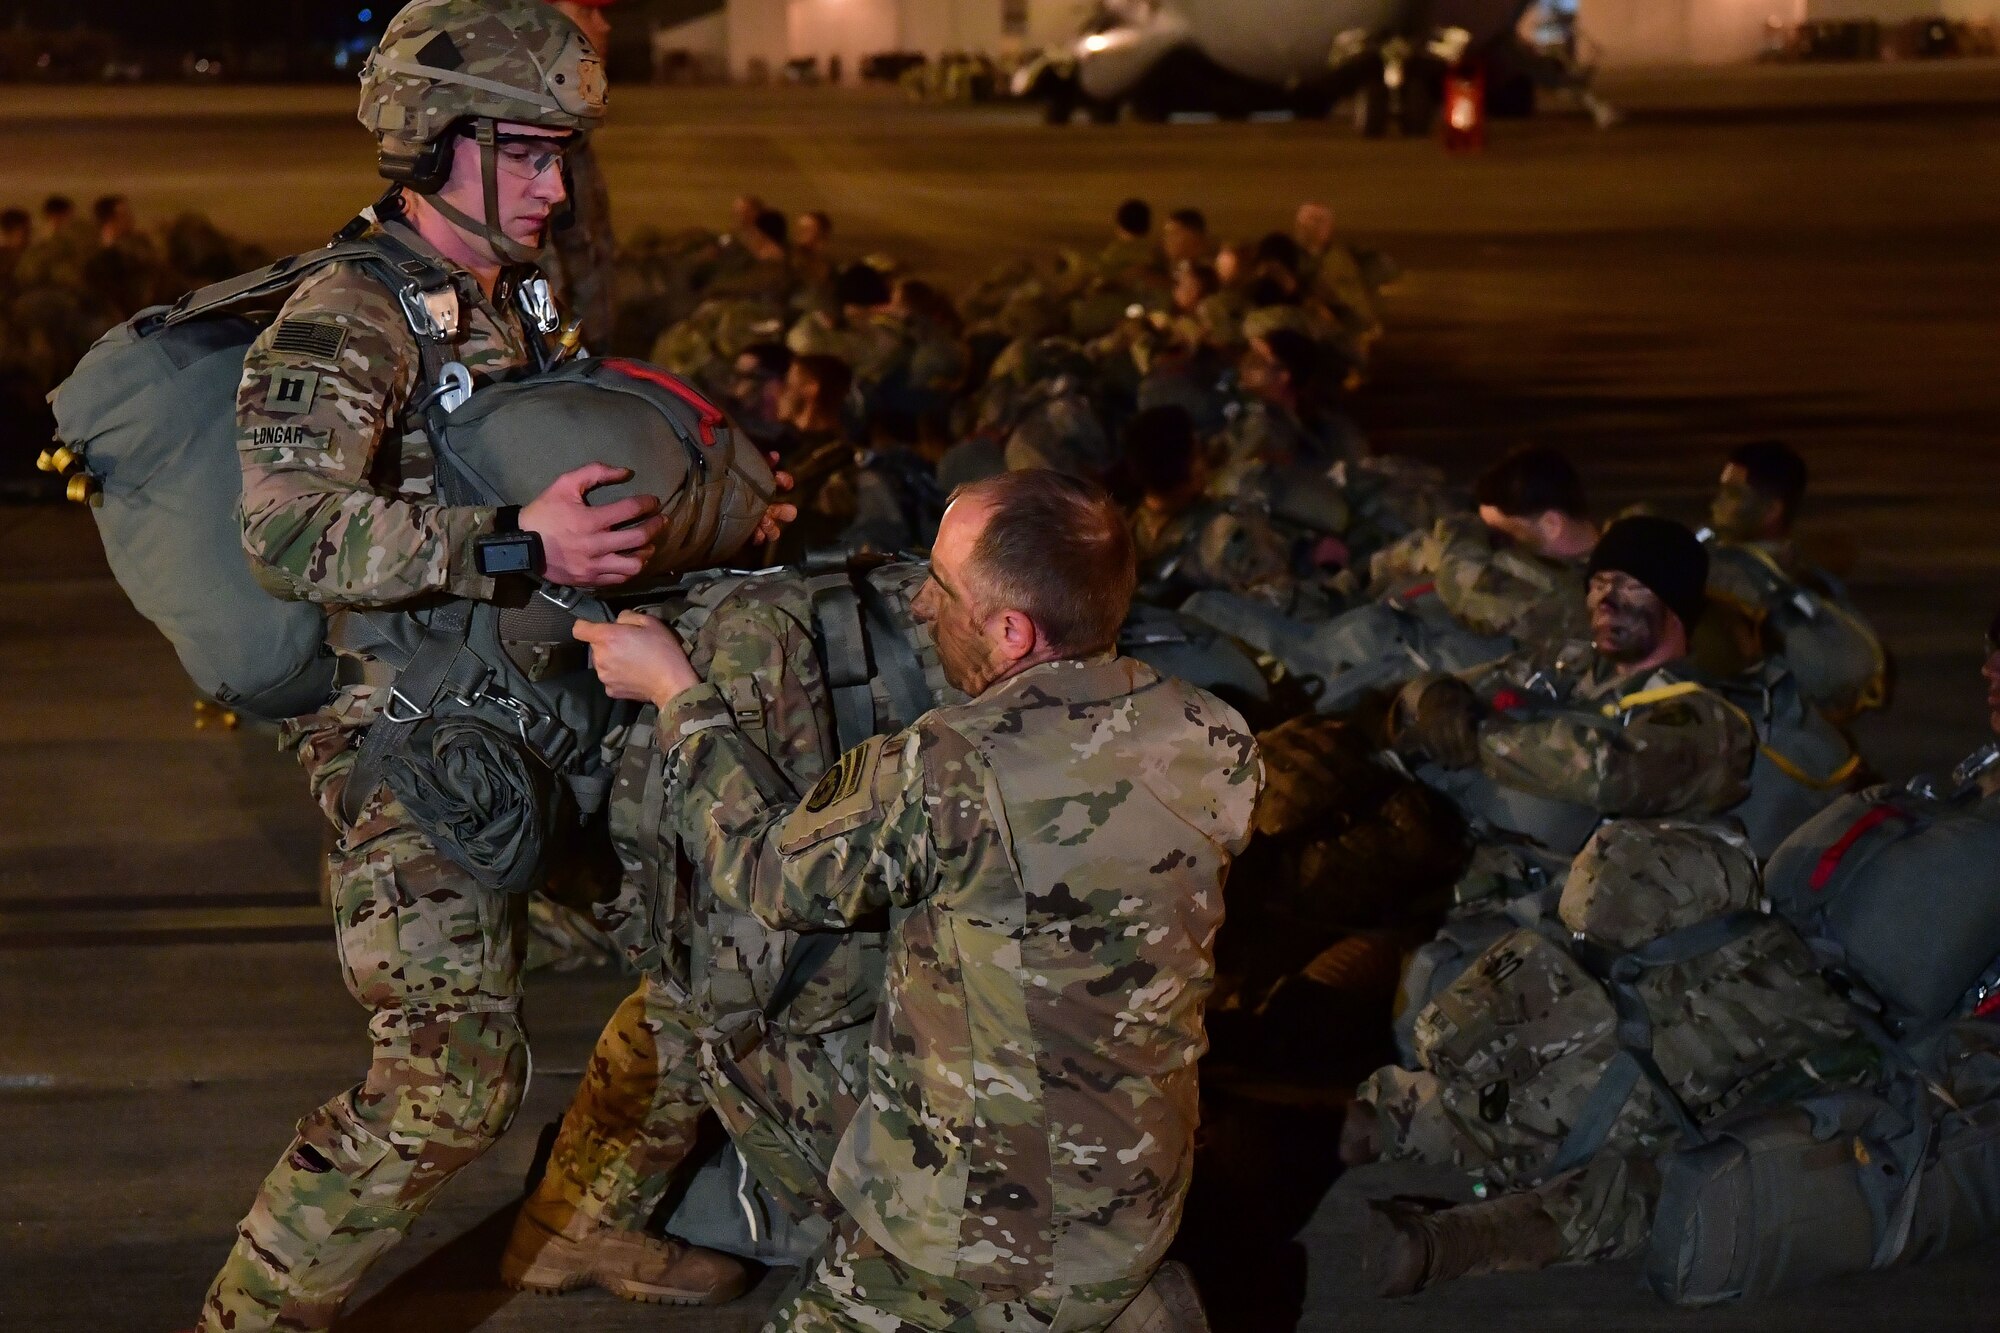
x: 530, y: 157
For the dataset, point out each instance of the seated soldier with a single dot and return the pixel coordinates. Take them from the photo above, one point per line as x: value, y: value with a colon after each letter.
x: 1892, y: 885
x: 1774, y: 601
x: 861, y: 330
x: 766, y: 272
x: 1132, y: 255
x: 1540, y: 747
x: 1464, y: 592
x: 1187, y: 539
x: 1519, y: 570
x: 1287, y: 416
x: 889, y: 501
x: 1332, y: 272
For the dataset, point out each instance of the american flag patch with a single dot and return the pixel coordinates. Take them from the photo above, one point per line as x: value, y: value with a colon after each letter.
x: 309, y: 337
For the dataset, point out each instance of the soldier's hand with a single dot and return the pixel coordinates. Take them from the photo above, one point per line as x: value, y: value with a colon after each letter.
x: 638, y: 658
x: 1437, y: 718
x: 772, y: 525
x: 593, y: 546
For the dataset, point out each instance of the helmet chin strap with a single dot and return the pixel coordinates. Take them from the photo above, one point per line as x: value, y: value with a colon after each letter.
x: 487, y: 135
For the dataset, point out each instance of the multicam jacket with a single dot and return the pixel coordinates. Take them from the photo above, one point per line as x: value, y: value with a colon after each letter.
x: 1573, y: 727
x: 339, y: 490
x: 1051, y: 858
x: 1488, y: 586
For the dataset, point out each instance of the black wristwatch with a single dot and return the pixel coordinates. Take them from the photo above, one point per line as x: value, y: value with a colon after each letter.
x: 509, y: 550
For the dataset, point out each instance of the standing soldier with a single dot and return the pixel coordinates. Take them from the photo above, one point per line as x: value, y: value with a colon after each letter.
x: 473, y: 104
x: 583, y: 251
x: 1050, y: 859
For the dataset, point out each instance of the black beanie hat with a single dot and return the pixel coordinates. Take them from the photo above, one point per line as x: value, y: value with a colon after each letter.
x: 1661, y: 554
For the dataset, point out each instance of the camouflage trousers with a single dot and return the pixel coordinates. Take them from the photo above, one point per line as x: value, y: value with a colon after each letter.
x: 785, y: 1102
x: 855, y: 1286
x: 436, y: 961
x: 1603, y: 1209
x: 625, y: 1137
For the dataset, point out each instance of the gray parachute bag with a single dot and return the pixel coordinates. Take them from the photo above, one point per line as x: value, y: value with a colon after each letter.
x: 1901, y: 892
x: 1179, y: 646
x: 151, y: 412
x: 1786, y: 1197
x: 1804, y: 763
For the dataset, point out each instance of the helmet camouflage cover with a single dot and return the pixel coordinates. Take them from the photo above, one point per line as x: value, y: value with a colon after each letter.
x: 446, y: 61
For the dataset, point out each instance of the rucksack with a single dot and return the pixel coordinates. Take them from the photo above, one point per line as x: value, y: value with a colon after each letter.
x: 1672, y: 999
x: 1901, y: 893
x: 852, y: 662
x: 1836, y: 657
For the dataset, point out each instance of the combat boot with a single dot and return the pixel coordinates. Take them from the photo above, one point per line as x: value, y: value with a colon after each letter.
x: 631, y: 1265
x: 1170, y: 1303
x: 1411, y: 1247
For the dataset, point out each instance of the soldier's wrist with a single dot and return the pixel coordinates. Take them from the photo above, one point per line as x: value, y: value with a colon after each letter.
x: 691, y: 712
x: 464, y: 526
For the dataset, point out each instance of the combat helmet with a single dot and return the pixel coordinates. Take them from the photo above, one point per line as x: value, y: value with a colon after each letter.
x: 450, y: 67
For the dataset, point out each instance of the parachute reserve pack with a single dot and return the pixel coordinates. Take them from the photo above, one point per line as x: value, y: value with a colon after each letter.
x: 151, y: 413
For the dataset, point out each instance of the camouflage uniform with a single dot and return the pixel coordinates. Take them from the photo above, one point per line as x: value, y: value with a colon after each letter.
x: 1213, y: 545
x: 1578, y: 729
x: 1264, y: 431
x: 1028, y: 1124
x: 871, y: 346
x: 1336, y: 277
x: 694, y: 1035
x: 339, y: 507
x: 583, y: 257
x: 1490, y: 587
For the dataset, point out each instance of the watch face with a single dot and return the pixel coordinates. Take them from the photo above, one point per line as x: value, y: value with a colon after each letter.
x: 507, y: 556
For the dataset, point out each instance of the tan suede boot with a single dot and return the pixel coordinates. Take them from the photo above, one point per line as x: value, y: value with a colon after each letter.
x: 632, y: 1265
x: 1411, y: 1247
x: 1170, y: 1303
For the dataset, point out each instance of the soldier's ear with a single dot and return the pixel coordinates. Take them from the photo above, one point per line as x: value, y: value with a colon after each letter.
x: 1017, y: 635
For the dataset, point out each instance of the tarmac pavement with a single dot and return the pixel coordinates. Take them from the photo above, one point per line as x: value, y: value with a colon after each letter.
x: 1747, y: 256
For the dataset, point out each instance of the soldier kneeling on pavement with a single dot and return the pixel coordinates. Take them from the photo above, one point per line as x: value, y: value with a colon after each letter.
x: 1049, y: 857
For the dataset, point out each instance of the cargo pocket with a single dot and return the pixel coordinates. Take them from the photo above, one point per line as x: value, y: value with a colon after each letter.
x: 330, y: 1209
x: 366, y: 936
x: 458, y: 941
